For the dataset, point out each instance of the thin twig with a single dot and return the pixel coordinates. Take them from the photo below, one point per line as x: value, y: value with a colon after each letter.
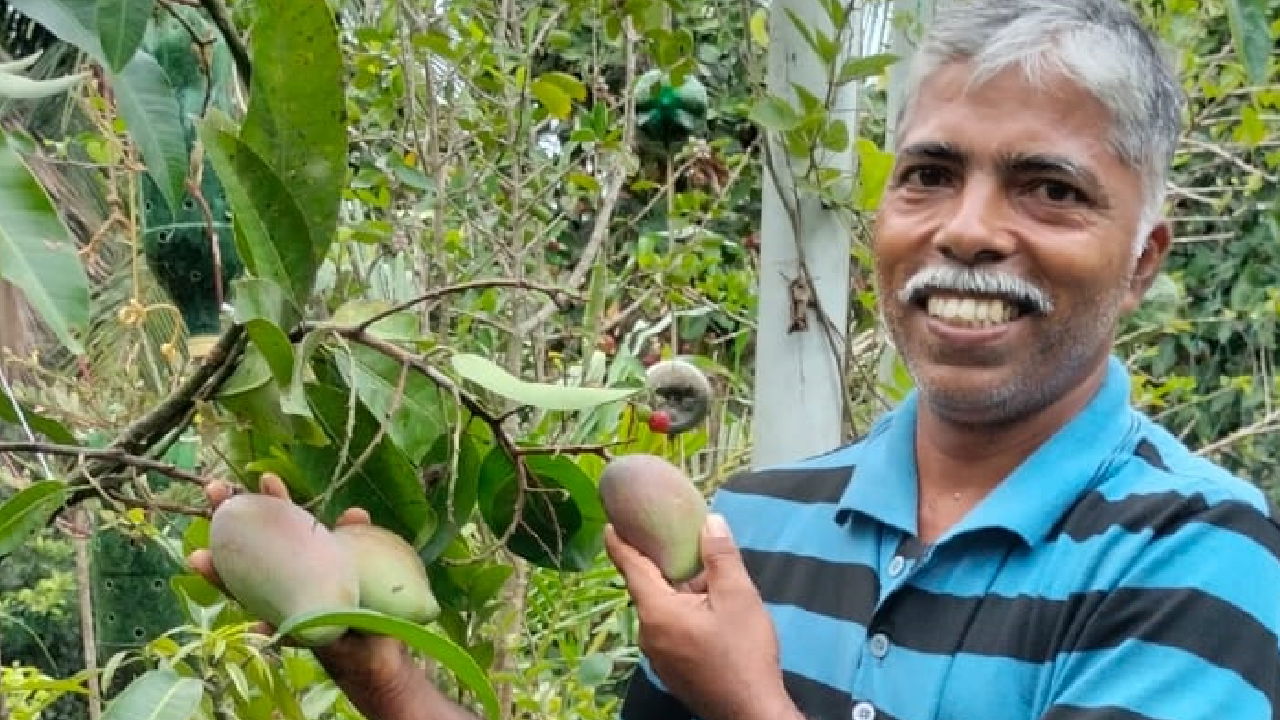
x: 222, y: 18
x: 1268, y: 424
x: 555, y: 292
x: 115, y: 455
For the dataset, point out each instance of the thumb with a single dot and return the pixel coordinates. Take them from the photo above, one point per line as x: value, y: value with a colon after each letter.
x: 726, y: 575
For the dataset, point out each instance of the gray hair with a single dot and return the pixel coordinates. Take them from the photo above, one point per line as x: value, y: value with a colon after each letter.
x: 1100, y: 44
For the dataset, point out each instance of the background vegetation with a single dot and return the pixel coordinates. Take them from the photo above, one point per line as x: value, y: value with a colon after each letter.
x: 486, y: 153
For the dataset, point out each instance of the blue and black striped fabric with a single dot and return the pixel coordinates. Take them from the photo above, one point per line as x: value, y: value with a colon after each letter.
x: 1114, y: 574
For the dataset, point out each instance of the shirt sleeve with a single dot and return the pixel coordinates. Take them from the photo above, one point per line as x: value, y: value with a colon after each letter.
x: 1190, y: 631
x: 646, y: 699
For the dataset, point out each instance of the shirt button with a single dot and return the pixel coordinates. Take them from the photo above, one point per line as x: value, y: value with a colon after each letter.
x: 879, y: 645
x: 897, y: 565
x: 864, y: 711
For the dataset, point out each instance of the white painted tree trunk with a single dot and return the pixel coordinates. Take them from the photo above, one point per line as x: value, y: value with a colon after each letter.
x: 799, y: 393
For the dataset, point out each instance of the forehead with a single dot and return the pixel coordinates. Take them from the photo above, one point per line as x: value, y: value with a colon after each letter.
x: 1008, y: 114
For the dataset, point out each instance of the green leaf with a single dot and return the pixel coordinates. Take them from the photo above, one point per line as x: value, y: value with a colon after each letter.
x: 401, y: 326
x: 73, y: 21
x: 553, y: 98
x: 865, y: 67
x: 594, y: 669
x: 1252, y: 36
x: 149, y: 107
x: 874, y: 166
x: 385, y: 484
x: 417, y: 419
x: 435, y: 646
x: 760, y: 27
x: 835, y: 136
x: 48, y: 427
x: 261, y: 306
x: 490, y: 376
x: 561, y: 519
x: 38, y: 254
x: 121, y: 25
x: 296, y: 120
x: 28, y: 511
x: 272, y: 228
x: 773, y: 113
x: 157, y: 695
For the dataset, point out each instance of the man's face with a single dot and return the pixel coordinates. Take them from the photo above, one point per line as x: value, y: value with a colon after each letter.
x: 1019, y: 186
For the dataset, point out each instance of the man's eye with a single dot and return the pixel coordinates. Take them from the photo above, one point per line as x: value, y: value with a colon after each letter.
x: 925, y: 176
x: 1056, y: 191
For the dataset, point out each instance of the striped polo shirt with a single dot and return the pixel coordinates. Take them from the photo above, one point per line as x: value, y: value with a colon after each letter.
x: 1112, y: 575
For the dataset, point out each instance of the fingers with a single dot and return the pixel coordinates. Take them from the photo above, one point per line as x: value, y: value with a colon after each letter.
x: 354, y: 516
x: 271, y: 484
x: 726, y: 576
x: 644, y: 580
x: 217, y: 491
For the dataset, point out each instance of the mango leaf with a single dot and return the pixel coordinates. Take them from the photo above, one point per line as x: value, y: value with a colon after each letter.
x: 1252, y: 36
x: 261, y: 306
x: 121, y: 25
x: 270, y: 225
x: 413, y: 416
x: 149, y: 107
x: 773, y: 113
x: 553, y: 98
x: 863, y: 67
x: 48, y: 427
x: 385, y: 484
x: 431, y: 644
x: 401, y: 326
x: 73, y: 21
x: 296, y: 121
x: 561, y: 518
x: 452, y: 494
x: 874, y: 166
x: 490, y: 376
x: 38, y: 253
x: 157, y: 695
x: 28, y: 511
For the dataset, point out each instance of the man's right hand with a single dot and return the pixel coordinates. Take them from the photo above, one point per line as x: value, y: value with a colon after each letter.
x: 376, y: 672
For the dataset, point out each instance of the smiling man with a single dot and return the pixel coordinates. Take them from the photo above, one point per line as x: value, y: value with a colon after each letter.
x: 1014, y: 541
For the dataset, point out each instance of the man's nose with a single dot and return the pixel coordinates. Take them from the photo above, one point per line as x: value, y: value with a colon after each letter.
x: 975, y: 232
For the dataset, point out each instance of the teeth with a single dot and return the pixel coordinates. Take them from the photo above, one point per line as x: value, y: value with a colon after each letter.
x: 974, y: 312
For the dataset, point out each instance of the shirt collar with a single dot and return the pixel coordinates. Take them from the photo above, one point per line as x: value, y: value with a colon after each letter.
x: 1030, y: 501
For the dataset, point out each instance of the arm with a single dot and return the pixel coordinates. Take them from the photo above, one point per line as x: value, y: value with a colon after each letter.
x: 714, y: 649
x: 1190, y: 632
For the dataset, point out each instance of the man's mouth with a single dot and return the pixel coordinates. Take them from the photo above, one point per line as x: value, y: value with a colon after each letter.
x: 971, y: 311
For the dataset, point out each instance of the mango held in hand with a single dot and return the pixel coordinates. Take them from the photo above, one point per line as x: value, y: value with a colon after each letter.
x: 392, y: 578
x: 277, y: 560
x: 656, y: 509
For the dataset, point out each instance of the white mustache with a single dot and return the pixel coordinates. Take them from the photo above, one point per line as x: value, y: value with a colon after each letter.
x: 948, y: 278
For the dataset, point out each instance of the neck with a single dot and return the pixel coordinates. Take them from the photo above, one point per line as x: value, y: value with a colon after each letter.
x: 963, y: 460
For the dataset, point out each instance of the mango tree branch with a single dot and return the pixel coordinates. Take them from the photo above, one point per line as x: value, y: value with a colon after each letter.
x: 239, y: 52
x: 113, y: 454
x: 557, y: 294
x: 466, y: 399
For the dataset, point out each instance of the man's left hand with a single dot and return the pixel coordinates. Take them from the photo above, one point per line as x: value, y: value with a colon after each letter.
x: 712, y: 643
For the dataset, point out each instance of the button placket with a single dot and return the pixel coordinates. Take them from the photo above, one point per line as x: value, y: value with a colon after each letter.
x: 864, y: 711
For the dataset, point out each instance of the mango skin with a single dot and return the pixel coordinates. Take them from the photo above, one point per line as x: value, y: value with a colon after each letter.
x: 656, y: 509
x: 277, y: 560
x: 393, y: 580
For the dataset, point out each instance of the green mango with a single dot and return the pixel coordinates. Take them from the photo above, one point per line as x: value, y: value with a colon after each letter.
x: 656, y: 509
x: 277, y: 560
x: 392, y: 578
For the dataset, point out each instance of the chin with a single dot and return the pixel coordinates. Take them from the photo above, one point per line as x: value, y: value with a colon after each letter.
x: 979, y: 396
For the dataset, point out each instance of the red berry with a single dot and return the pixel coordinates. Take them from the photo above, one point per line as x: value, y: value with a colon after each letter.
x: 660, y: 421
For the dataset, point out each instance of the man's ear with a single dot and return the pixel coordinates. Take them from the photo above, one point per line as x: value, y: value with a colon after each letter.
x: 1147, y: 265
